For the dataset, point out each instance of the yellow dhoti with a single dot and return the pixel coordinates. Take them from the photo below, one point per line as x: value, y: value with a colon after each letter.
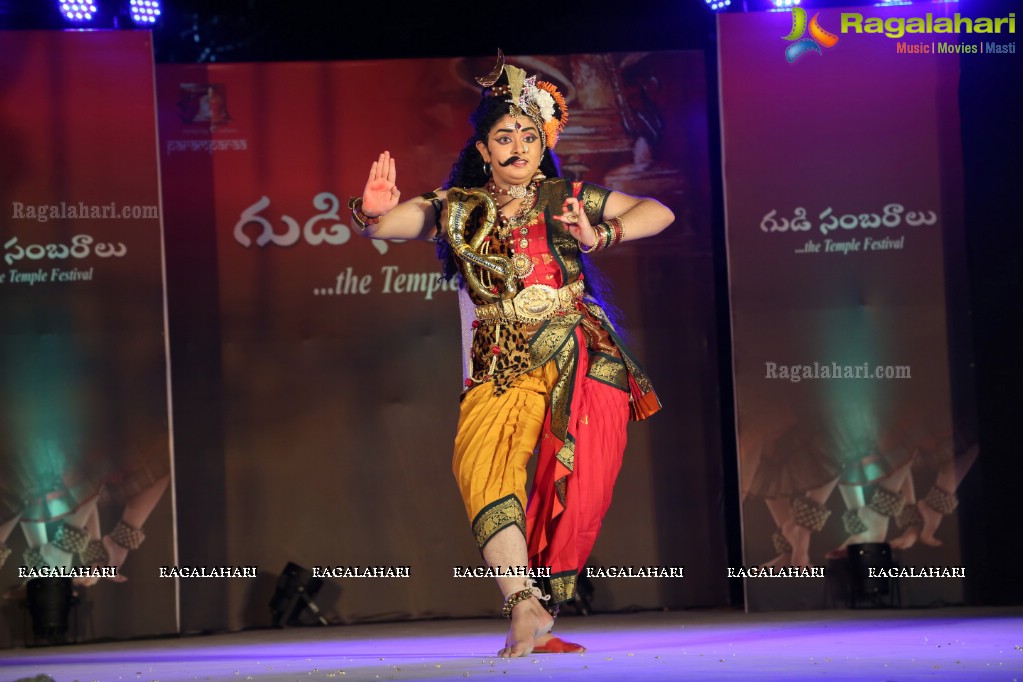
x: 496, y: 437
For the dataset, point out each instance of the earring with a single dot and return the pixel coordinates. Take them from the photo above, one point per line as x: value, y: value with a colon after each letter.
x: 486, y: 168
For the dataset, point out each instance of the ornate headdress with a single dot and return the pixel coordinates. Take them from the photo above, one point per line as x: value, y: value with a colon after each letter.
x: 539, y: 100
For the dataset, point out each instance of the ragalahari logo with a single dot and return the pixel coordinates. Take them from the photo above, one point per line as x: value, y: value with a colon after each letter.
x: 802, y: 45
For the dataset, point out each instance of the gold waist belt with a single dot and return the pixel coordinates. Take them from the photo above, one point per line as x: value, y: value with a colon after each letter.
x: 535, y: 303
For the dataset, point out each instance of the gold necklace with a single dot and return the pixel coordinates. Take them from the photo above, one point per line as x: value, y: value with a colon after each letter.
x: 506, y: 224
x: 522, y: 262
x: 515, y: 191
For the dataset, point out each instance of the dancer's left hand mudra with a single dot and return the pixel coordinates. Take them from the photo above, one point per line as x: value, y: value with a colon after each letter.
x: 574, y: 218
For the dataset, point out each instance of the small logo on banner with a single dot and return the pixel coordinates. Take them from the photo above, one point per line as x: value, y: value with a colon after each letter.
x: 202, y: 103
x: 208, y: 126
x: 801, y: 45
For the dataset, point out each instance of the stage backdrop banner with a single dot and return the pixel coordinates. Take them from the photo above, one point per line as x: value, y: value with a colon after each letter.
x: 317, y: 373
x: 84, y: 436
x: 842, y: 177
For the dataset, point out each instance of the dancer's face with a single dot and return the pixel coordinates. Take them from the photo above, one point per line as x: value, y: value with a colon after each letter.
x: 513, y: 149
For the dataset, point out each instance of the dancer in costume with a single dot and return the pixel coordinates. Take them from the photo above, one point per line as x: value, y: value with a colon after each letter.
x: 545, y: 370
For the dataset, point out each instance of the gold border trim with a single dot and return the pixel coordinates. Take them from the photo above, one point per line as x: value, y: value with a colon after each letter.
x: 497, y: 516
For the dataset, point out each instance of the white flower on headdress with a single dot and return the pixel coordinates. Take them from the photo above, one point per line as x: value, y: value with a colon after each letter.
x: 545, y: 102
x: 531, y: 95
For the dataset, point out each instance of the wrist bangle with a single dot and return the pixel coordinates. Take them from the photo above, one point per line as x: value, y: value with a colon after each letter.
x: 609, y: 233
x: 604, y: 236
x: 617, y: 226
x: 362, y: 221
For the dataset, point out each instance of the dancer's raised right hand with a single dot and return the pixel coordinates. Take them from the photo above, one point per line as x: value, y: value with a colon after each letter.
x: 381, y: 195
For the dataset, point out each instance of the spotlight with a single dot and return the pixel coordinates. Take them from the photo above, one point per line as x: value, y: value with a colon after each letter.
x: 296, y: 589
x: 145, y: 12
x: 785, y: 4
x: 49, y: 601
x: 718, y: 5
x: 77, y: 12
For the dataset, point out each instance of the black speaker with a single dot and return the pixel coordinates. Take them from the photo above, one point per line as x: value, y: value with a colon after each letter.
x: 870, y: 569
x: 49, y: 602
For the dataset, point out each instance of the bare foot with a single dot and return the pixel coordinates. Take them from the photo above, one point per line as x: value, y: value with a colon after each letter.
x: 907, y: 539
x: 85, y: 582
x: 54, y: 557
x: 877, y: 529
x: 799, y: 537
x: 932, y: 519
x: 117, y: 555
x: 779, y: 561
x: 529, y: 621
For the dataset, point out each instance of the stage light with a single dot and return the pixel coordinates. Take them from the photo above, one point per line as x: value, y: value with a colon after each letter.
x: 294, y: 594
x: 872, y: 590
x: 785, y: 4
x: 718, y: 5
x: 77, y: 12
x: 145, y: 12
x: 49, y: 601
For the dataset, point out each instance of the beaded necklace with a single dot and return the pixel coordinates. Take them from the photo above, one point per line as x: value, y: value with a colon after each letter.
x: 522, y: 263
x: 517, y: 221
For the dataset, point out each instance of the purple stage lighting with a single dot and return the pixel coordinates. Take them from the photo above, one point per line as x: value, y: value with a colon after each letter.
x: 718, y: 5
x: 785, y: 4
x: 145, y: 12
x: 77, y: 12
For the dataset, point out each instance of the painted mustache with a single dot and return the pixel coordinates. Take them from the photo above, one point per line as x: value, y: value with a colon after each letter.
x: 510, y: 161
